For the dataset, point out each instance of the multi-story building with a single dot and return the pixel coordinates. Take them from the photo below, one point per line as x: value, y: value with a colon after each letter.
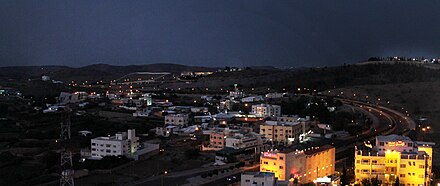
x: 258, y: 179
x: 305, y: 165
x: 394, y: 157
x: 122, y: 144
x: 240, y: 146
x: 166, y: 131
x: 236, y: 93
x: 177, y: 119
x: 285, y: 130
x: 266, y: 110
x: 245, y: 141
x: 217, y: 139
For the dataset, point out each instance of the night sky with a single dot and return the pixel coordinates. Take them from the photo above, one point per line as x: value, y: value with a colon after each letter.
x: 282, y: 33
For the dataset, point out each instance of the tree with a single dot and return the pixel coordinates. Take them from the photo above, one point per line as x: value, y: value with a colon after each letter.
x: 204, y: 175
x: 295, y: 181
x: 397, y: 183
x: 375, y: 181
x: 366, y: 182
x: 191, y: 153
x: 344, y: 180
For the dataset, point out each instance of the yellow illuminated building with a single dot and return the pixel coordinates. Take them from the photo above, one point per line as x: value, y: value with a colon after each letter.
x: 306, y: 165
x: 395, y: 157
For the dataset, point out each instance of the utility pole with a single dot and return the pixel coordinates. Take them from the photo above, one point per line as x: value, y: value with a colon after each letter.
x: 66, y: 153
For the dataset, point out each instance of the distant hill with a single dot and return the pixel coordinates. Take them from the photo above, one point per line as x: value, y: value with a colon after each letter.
x: 264, y: 68
x: 434, y: 66
x: 26, y: 72
x: 318, y: 78
x: 92, y: 72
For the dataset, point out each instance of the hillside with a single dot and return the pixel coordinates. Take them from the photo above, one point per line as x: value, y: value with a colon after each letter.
x: 26, y: 72
x: 435, y: 66
x: 317, y: 78
x: 92, y: 72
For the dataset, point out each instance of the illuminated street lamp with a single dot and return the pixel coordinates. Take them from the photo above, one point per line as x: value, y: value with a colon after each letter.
x: 164, y: 173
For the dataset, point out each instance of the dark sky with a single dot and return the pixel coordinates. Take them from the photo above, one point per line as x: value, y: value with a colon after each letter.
x: 283, y: 33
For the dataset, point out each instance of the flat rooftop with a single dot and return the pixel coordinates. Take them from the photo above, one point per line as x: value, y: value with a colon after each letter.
x: 260, y: 174
x: 393, y: 137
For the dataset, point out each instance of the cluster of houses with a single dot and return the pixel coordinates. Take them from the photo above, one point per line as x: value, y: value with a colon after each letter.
x: 248, y: 132
x: 232, y: 133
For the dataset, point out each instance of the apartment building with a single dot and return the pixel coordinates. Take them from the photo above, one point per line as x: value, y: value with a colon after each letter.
x: 244, y: 141
x: 306, y: 164
x: 177, y: 119
x: 121, y: 144
x: 395, y: 157
x: 266, y: 110
x: 285, y: 130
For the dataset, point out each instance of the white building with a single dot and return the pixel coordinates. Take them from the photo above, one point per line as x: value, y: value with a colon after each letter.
x: 166, y: 131
x: 236, y: 93
x: 122, y: 144
x: 45, y: 78
x: 146, y: 99
x: 394, y: 142
x: 266, y: 110
x: 66, y: 98
x: 274, y: 95
x: 176, y: 119
x: 244, y: 141
x: 199, y: 109
x: 251, y: 99
x: 258, y: 179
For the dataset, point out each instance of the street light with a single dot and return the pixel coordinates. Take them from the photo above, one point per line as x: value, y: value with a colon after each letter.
x: 164, y: 173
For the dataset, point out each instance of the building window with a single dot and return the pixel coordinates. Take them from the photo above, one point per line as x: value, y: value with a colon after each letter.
x: 381, y: 144
x: 402, y: 175
x: 421, y: 166
x: 365, y: 161
x: 402, y: 166
x: 281, y: 158
x: 281, y: 167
